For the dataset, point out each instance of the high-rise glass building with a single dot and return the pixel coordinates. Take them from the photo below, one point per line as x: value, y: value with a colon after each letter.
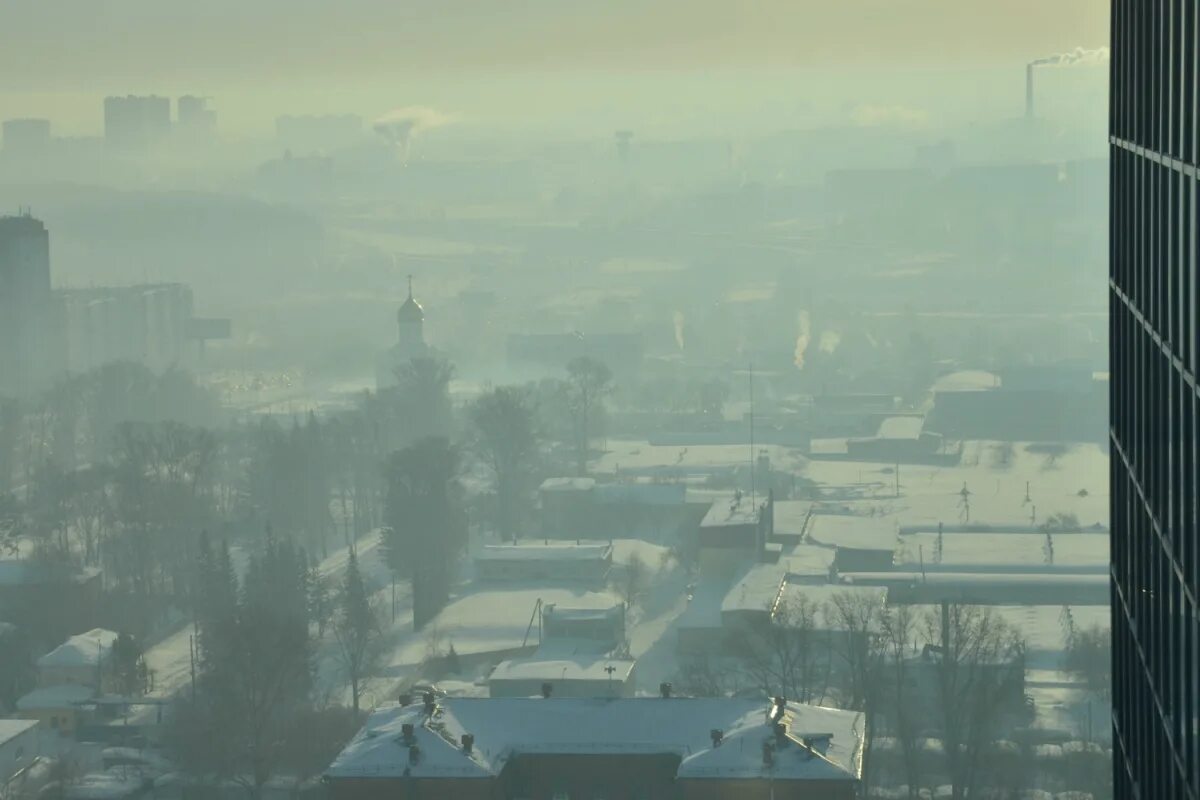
x: 1155, y: 355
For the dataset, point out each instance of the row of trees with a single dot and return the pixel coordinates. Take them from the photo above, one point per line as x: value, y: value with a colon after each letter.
x: 254, y: 707
x: 859, y: 653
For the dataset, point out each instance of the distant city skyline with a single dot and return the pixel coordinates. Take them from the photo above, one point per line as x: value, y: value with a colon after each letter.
x: 541, y: 62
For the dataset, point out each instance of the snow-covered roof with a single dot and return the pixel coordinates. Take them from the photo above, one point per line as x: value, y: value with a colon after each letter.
x: 978, y: 580
x: 81, y: 650
x: 807, y: 560
x: 581, y: 667
x: 567, y: 484
x: 641, y: 492
x: 904, y: 427
x: 506, y: 727
x: 63, y: 696
x: 496, y: 620
x: 998, y: 551
x: 12, y: 728
x: 558, y: 551
x: 732, y: 511
x: 758, y: 589
x: 108, y: 785
x: 852, y: 532
x: 967, y: 381
x: 791, y: 516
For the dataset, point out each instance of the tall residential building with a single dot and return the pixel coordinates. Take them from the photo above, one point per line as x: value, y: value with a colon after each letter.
x: 29, y: 350
x: 195, y: 122
x: 1155, y: 354
x: 136, y: 123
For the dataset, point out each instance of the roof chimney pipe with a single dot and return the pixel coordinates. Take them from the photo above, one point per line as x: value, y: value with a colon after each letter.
x: 547, y: 689
x: 664, y: 689
x: 718, y: 736
x: 468, y: 742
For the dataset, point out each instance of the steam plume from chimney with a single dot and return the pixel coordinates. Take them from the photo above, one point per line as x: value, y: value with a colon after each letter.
x: 678, y: 318
x: 802, y: 338
x: 400, y: 125
x: 1078, y: 56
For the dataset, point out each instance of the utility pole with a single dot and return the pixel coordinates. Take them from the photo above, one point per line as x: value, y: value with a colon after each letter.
x: 192, y: 660
x: 753, y: 499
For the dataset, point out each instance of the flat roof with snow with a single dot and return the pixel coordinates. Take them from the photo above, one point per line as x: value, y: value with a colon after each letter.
x: 67, y: 695
x: 81, y: 650
x: 12, y: 728
x: 903, y: 427
x: 567, y: 485
x: 510, y: 727
x: 734, y: 511
x: 1000, y: 550
x: 758, y: 590
x: 791, y: 516
x: 852, y: 532
x: 580, y: 667
x: 497, y: 620
x: 558, y: 551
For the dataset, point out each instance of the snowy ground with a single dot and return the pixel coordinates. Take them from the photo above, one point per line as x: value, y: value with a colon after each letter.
x: 1074, y: 481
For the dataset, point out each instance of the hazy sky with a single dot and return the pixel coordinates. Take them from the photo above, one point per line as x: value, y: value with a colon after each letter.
x: 352, y: 53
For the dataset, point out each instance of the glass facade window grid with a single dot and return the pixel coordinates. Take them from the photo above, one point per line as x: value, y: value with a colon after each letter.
x: 1155, y: 354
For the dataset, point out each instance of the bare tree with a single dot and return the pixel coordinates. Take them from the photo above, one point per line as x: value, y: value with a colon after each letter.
x: 504, y: 437
x: 902, y: 706
x: 978, y: 668
x: 857, y: 621
x: 357, y: 629
x: 589, y: 383
x: 630, y: 580
x: 788, y: 655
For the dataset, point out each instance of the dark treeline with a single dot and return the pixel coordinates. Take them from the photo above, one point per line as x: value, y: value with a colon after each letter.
x: 144, y: 506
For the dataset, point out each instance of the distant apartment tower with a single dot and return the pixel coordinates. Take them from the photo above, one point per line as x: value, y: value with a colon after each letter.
x: 29, y: 352
x: 1155, y: 406
x: 26, y: 137
x: 195, y: 121
x: 135, y: 123
x: 151, y: 324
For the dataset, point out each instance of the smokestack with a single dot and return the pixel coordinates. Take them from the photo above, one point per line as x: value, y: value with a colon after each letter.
x: 1029, y: 90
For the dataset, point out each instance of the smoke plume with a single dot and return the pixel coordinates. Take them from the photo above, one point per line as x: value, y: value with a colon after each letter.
x: 802, y: 338
x: 678, y: 318
x: 400, y: 125
x: 1080, y: 55
x: 829, y: 342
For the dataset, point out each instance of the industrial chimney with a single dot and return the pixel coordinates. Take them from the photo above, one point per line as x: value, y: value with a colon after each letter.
x: 1029, y: 90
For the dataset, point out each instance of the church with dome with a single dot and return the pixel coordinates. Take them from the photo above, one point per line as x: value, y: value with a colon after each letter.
x: 410, y: 342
